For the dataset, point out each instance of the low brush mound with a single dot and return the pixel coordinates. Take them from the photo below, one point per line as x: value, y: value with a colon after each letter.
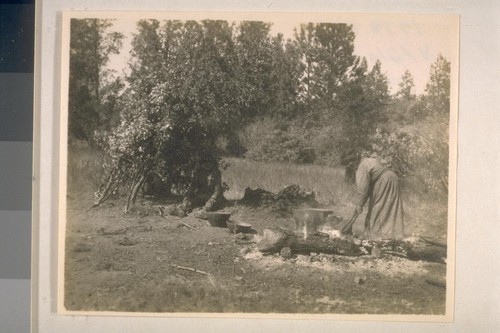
x: 284, y: 201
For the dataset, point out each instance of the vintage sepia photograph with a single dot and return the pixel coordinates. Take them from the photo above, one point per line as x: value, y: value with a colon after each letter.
x: 258, y: 164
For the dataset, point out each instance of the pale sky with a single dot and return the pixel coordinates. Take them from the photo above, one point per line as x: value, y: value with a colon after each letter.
x: 400, y: 42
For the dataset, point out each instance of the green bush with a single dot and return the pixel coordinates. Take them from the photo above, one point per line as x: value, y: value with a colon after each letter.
x: 419, y: 153
x: 272, y: 140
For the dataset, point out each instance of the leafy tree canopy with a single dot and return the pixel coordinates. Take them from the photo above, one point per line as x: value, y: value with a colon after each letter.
x: 93, y: 90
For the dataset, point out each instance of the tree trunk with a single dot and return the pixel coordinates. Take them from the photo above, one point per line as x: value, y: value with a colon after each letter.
x: 134, y: 190
x: 111, y: 185
x: 106, y: 192
x: 188, y: 200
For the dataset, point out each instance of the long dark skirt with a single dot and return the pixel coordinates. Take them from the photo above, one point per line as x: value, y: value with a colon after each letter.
x: 384, y: 219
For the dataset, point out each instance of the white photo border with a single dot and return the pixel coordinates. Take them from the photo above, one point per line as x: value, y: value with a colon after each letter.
x: 46, y: 317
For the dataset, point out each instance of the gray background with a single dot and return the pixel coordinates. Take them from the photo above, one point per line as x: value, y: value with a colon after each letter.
x: 16, y: 134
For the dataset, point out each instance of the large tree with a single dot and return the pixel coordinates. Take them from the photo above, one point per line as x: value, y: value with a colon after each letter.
x: 406, y: 87
x: 363, y: 106
x: 92, y: 87
x: 285, y: 78
x: 327, y: 58
x: 437, y: 89
x: 188, y: 87
x: 253, y: 47
x: 434, y: 129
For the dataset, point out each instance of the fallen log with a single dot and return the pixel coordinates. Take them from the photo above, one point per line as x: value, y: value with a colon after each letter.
x: 425, y: 251
x: 275, y: 240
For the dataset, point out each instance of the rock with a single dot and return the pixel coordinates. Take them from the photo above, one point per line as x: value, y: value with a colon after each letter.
x: 180, y: 212
x: 286, y: 252
x: 173, y: 210
x: 127, y: 242
x: 360, y: 279
x: 245, y: 250
x: 239, y: 236
x: 376, y: 251
x: 242, y: 239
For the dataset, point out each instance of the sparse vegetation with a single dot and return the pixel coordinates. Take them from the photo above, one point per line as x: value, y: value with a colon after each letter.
x: 210, y: 108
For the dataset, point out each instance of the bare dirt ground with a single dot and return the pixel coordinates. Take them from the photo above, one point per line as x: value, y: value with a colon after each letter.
x: 134, y: 263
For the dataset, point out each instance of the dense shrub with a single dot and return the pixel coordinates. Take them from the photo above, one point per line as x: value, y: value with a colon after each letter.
x: 421, y: 155
x: 271, y: 140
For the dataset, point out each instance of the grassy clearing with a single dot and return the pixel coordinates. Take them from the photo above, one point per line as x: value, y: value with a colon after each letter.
x: 425, y: 213
x: 327, y: 182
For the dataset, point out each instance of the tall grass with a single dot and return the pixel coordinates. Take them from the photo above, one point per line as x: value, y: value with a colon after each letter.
x: 85, y: 168
x: 327, y: 182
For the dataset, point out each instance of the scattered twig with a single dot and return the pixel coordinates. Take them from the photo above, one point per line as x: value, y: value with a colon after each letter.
x: 436, y: 283
x: 397, y: 254
x: 143, y: 228
x: 190, y: 269
x: 187, y: 225
x: 113, y: 232
x: 93, y: 206
x: 160, y: 211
